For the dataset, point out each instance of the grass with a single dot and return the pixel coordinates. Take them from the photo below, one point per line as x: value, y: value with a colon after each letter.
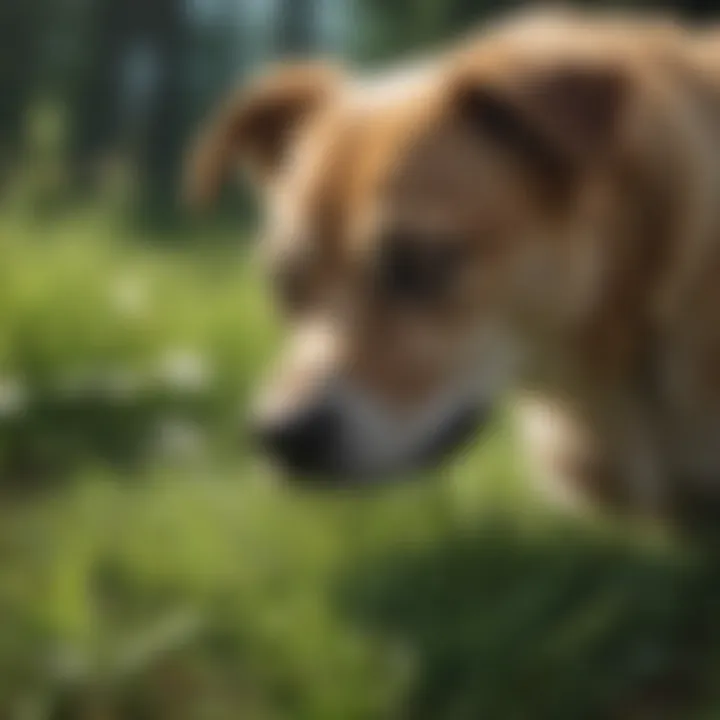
x: 149, y: 567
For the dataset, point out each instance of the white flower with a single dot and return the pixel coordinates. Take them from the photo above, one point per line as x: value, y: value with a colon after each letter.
x: 179, y: 439
x: 13, y: 397
x: 129, y: 296
x: 69, y: 664
x: 185, y: 370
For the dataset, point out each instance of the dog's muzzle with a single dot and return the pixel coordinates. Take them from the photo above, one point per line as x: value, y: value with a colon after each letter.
x: 315, y: 446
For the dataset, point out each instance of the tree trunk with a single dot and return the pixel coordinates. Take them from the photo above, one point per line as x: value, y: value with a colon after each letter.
x: 295, y: 27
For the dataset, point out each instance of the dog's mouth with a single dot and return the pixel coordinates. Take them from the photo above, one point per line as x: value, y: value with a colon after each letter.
x: 336, y: 472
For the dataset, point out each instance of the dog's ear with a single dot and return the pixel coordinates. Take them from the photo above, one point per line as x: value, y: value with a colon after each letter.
x: 254, y: 127
x: 560, y: 116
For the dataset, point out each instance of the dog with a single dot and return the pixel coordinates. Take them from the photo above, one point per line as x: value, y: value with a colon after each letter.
x: 532, y: 213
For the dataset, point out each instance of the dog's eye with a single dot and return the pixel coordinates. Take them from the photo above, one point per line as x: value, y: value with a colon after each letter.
x: 417, y: 269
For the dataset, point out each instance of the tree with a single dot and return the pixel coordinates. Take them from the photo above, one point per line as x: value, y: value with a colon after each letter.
x: 20, y: 29
x: 94, y: 97
x: 296, y: 25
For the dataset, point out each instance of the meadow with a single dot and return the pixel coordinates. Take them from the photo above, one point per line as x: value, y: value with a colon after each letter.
x: 152, y: 567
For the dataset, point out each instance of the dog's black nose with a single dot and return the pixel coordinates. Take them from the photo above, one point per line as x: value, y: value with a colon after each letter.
x: 304, y: 442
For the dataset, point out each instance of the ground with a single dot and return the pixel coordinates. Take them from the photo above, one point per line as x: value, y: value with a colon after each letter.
x: 151, y: 567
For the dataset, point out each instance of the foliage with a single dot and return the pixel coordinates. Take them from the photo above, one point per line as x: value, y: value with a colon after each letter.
x: 188, y: 585
x: 103, y: 346
x: 132, y: 77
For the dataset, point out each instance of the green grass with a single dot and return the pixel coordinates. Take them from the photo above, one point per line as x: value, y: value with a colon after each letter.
x: 145, y: 581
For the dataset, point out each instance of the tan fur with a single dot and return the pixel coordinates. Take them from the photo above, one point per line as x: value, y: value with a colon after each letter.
x: 607, y: 284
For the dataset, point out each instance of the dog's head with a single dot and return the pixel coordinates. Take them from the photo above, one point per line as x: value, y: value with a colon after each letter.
x: 415, y: 221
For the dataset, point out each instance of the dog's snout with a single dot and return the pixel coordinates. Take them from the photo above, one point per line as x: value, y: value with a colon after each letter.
x: 305, y: 442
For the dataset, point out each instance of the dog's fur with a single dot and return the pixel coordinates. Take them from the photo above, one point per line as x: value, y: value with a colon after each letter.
x: 536, y: 209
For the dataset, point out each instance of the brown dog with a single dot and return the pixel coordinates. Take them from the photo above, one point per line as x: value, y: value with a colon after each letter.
x: 537, y: 209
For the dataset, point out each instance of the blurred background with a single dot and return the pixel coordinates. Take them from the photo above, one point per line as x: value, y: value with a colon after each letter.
x: 148, y: 566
